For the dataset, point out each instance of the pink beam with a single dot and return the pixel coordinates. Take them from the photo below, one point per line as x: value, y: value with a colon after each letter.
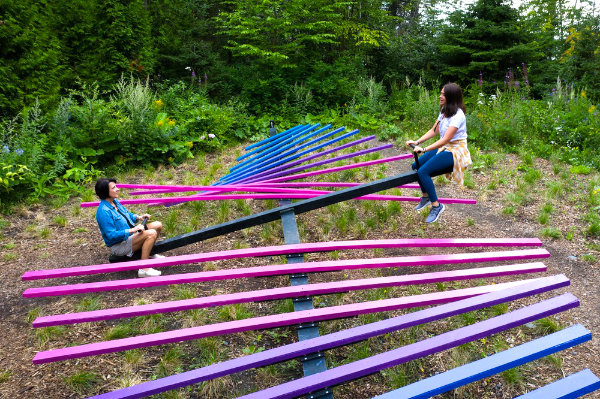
x: 308, y: 267
x: 249, y: 187
x: 283, y: 250
x: 287, y: 292
x: 278, y: 320
x: 290, y: 195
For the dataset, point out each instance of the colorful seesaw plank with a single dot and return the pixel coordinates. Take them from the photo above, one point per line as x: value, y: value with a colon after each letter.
x: 278, y: 320
x: 284, y: 250
x: 494, y: 364
x: 286, y: 292
x: 573, y: 386
x: 340, y: 338
x: 309, y: 267
x: 417, y: 350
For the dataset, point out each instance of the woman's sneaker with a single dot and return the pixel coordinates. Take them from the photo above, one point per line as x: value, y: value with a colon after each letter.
x: 149, y: 272
x: 435, y: 213
x: 423, y: 203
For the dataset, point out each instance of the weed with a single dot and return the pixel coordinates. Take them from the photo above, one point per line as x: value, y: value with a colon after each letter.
x: 89, y: 303
x: 470, y: 222
x: 589, y: 258
x: 60, y: 221
x: 45, y: 232
x: 45, y: 334
x: 33, y: 314
x: 4, y: 376
x: 395, y: 377
x: 170, y: 362
x: 546, y: 326
x: 133, y: 357
x: 543, y: 218
x: 551, y: 232
x: 508, y: 210
x: 580, y: 170
x: 83, y: 381
x: 183, y: 291
x: 513, y: 376
x: 216, y: 388
x: 223, y: 212
x: 555, y: 360
x: 7, y: 257
x: 237, y: 311
x: 119, y: 331
x: 80, y: 230
x: 210, y: 351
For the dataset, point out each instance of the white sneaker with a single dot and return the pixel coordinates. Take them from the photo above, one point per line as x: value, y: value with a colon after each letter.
x: 149, y: 272
x: 157, y: 256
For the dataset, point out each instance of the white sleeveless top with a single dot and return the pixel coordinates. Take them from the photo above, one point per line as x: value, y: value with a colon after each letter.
x: 458, y: 120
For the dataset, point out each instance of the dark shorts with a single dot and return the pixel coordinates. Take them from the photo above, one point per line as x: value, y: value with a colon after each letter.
x: 123, y: 248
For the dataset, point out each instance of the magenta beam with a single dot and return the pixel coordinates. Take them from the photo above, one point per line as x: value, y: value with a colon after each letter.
x: 283, y: 250
x: 251, y: 187
x: 308, y: 267
x: 291, y: 195
x: 271, y: 321
x: 336, y: 339
x: 420, y: 349
x: 286, y: 292
x: 285, y: 177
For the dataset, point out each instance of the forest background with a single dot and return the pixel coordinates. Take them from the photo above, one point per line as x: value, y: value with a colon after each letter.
x: 91, y: 86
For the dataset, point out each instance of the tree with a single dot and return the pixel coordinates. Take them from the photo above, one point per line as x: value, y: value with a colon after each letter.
x: 486, y: 39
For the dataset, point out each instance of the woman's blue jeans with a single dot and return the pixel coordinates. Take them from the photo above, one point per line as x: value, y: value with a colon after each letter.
x: 433, y: 164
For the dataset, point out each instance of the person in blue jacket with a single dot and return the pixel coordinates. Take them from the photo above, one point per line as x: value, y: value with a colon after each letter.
x: 119, y: 229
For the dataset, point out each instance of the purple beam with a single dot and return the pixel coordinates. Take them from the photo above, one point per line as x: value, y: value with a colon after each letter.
x: 287, y: 169
x: 344, y: 337
x: 308, y: 267
x: 172, y: 189
x: 272, y: 179
x: 283, y: 250
x: 417, y: 350
x: 271, y: 321
x: 286, y: 292
x: 289, y: 195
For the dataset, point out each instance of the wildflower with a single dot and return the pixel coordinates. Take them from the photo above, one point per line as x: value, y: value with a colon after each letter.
x: 5, y: 149
x: 170, y: 159
x: 193, y: 73
x: 482, y: 340
x: 583, y: 93
x: 591, y: 109
x: 171, y: 123
x: 517, y: 83
x: 202, y: 137
x: 205, y: 78
x: 190, y: 144
x: 188, y: 68
x: 19, y: 151
x: 160, y: 123
x: 159, y: 103
x: 480, y: 80
x: 211, y: 136
x: 523, y: 98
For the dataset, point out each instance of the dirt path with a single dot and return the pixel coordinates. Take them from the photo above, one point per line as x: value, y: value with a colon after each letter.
x: 39, y: 237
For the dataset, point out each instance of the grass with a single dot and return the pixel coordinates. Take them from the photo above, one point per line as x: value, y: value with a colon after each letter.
x: 551, y: 232
x: 89, y: 303
x: 4, y: 376
x: 82, y: 381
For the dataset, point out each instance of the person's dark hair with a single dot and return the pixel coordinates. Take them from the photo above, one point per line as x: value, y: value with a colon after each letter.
x: 102, y: 187
x: 454, y: 100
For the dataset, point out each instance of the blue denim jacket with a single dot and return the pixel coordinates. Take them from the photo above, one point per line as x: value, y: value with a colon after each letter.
x: 112, y: 224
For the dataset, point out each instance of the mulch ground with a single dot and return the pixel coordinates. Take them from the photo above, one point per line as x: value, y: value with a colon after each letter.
x: 37, y: 238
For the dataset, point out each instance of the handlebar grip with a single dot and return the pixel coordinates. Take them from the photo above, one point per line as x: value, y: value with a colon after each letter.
x: 415, y: 155
x: 143, y: 224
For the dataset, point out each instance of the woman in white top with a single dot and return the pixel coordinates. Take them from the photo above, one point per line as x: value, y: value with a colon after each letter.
x: 448, y: 155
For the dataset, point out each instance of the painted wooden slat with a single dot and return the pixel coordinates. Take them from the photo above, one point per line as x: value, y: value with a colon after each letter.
x: 573, y: 386
x: 275, y: 137
x: 301, y: 164
x: 417, y: 350
x: 174, y: 189
x: 289, y: 195
x: 494, y: 364
x: 278, y: 320
x: 283, y: 250
x: 286, y: 292
x: 309, y: 267
x: 285, y: 176
x: 344, y: 337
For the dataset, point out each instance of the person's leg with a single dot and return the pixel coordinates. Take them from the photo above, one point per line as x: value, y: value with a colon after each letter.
x: 156, y: 225
x: 436, y: 165
x: 423, y: 159
x: 144, y: 241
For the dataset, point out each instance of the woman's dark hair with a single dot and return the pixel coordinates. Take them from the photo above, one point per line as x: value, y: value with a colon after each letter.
x: 454, y: 100
x: 102, y: 187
